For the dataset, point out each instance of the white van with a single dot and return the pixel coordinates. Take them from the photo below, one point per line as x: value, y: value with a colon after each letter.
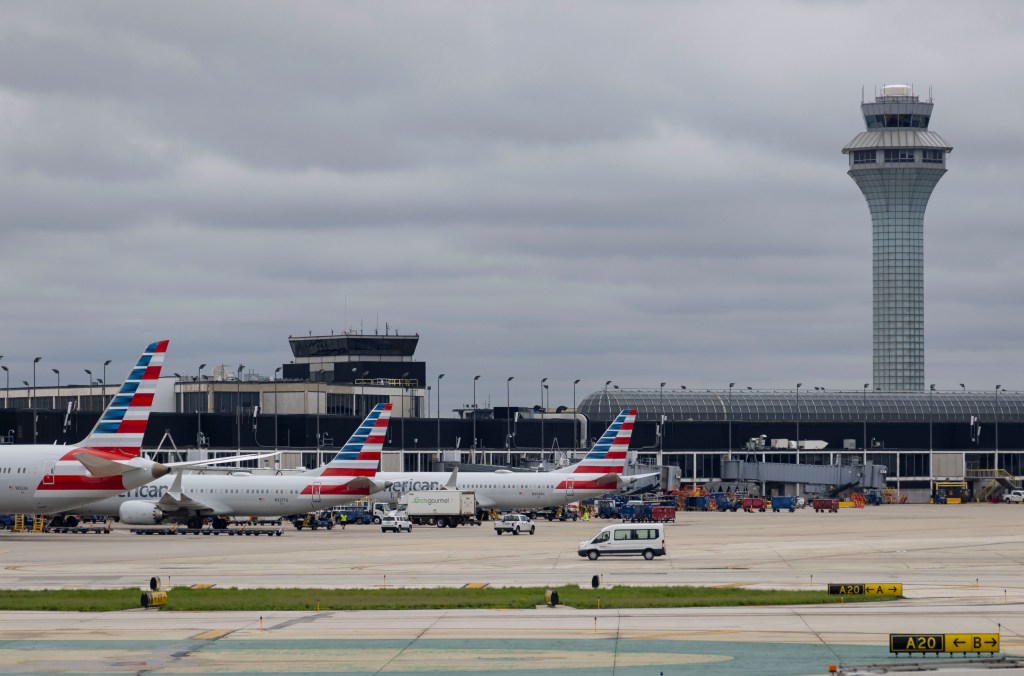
x: 647, y: 539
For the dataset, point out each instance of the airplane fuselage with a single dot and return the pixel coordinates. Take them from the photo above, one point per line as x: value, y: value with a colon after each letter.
x: 239, y: 494
x: 501, y: 490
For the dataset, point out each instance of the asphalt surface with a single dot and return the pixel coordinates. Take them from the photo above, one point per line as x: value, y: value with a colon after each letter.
x: 959, y: 564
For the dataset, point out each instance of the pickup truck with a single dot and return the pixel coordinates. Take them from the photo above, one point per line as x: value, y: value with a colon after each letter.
x: 1013, y: 496
x: 515, y: 524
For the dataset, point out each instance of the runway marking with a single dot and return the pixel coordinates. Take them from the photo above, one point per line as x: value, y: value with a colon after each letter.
x: 203, y: 585
x: 414, y: 659
x: 475, y: 585
x: 211, y: 635
x: 733, y: 584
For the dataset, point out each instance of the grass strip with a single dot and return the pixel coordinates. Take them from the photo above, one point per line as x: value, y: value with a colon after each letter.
x: 186, y: 599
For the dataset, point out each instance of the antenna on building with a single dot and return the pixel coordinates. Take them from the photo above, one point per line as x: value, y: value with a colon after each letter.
x: 862, y: 93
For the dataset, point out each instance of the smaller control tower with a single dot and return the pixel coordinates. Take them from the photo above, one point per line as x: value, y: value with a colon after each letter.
x: 896, y: 164
x: 356, y: 358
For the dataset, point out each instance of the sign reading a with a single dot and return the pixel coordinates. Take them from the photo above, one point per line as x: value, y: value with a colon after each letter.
x: 884, y: 589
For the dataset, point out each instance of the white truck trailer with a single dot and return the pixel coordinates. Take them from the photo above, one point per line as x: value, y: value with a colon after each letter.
x: 442, y: 508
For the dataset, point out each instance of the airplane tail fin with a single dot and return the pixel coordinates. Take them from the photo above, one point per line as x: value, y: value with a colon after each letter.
x: 123, y: 424
x: 608, y: 456
x: 360, y: 456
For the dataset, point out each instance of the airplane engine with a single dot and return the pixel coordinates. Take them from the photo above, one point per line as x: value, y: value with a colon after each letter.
x: 140, y: 513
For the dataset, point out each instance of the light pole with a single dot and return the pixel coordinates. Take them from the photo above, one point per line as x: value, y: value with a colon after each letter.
x: 430, y: 400
x: 276, y: 437
x: 7, y: 389
x: 32, y: 403
x: 864, y: 412
x: 200, y: 404
x: 508, y: 415
x: 998, y: 387
x: 542, y: 381
x: 89, y: 373
x: 319, y: 377
x: 362, y: 393
x: 731, y: 385
x: 238, y: 409
x: 439, y: 413
x: 103, y: 396
x: 56, y: 401
x: 405, y: 383
x: 575, y: 432
x: 473, y: 458
x: 798, y: 386
x: 661, y: 421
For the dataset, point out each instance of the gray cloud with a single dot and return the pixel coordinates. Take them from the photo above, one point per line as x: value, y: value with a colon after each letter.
x: 637, y: 191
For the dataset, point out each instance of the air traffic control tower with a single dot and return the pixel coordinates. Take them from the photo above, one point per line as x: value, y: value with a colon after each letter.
x: 896, y: 164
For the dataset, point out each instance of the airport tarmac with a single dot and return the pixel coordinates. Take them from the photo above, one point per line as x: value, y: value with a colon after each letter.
x: 959, y: 564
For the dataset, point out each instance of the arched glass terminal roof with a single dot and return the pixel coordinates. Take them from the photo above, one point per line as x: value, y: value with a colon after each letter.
x: 809, y: 405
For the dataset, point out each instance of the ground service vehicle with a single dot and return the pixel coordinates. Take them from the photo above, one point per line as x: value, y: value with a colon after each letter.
x: 780, y: 502
x: 1013, y: 496
x: 396, y: 522
x: 825, y: 504
x: 662, y: 513
x: 441, y: 508
x: 646, y: 539
x: 636, y: 511
x: 515, y: 524
x: 313, y: 521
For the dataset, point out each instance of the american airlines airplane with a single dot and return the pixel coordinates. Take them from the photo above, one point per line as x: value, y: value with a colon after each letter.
x: 600, y: 472
x: 189, y: 498
x: 46, y: 479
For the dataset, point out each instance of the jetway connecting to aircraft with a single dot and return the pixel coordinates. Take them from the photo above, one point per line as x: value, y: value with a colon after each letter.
x: 835, y: 478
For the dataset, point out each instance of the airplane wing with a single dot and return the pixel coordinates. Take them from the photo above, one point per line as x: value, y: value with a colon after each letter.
x: 625, y: 481
x: 375, y: 485
x: 175, y: 499
x: 105, y: 466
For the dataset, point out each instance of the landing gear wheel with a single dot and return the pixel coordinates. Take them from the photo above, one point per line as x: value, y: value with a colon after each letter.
x: 219, y: 523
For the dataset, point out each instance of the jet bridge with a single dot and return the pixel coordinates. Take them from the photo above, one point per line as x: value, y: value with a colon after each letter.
x: 863, y: 476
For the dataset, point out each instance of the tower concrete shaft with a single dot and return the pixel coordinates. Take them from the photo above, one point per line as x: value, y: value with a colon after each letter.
x: 896, y: 164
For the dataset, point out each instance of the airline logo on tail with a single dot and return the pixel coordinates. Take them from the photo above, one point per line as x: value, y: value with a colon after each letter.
x: 123, y: 424
x: 359, y: 457
x: 602, y: 467
x: 118, y: 434
x: 608, y: 456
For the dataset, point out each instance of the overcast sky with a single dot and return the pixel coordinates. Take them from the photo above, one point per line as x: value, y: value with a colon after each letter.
x: 638, y: 191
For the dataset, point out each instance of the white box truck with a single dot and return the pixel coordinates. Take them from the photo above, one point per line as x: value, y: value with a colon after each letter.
x: 441, y: 508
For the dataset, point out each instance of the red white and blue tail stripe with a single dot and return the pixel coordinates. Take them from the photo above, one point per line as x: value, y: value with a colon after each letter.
x: 117, y: 435
x: 360, y: 456
x: 608, y: 456
x: 123, y: 424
